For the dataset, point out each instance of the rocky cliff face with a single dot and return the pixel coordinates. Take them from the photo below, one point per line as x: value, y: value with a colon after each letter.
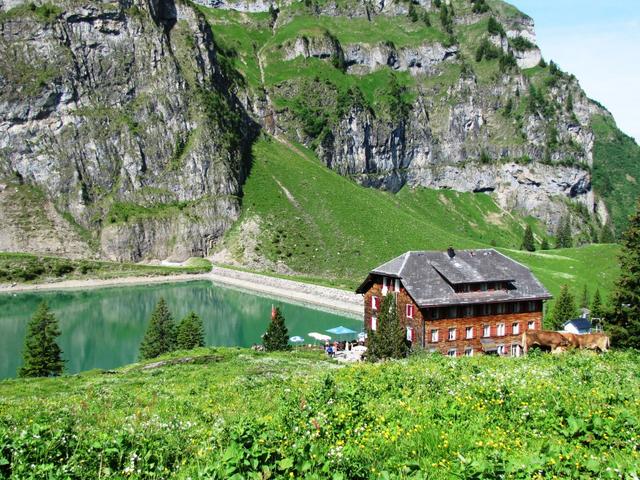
x: 120, y: 114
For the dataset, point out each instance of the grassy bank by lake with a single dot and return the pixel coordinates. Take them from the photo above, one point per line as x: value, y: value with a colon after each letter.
x: 234, y: 413
x: 29, y: 268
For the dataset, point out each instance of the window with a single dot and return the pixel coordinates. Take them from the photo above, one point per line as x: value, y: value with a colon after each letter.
x: 396, y: 288
x: 434, y: 314
x: 468, y: 352
x: 385, y: 285
x: 515, y: 329
x: 409, y: 312
x: 375, y: 303
x: 532, y: 306
x: 486, y: 331
x: 482, y: 310
x: 434, y: 336
x: 374, y: 323
x: 469, y: 332
x: 453, y: 312
x: 452, y: 352
x: 500, y: 331
x: 483, y: 287
x: 468, y: 311
x: 500, y: 350
x: 452, y: 334
x: 409, y: 334
x: 531, y: 325
x: 515, y: 350
x: 500, y: 308
x: 516, y: 307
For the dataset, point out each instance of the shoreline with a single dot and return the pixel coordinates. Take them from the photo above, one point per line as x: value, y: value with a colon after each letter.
x: 307, y: 294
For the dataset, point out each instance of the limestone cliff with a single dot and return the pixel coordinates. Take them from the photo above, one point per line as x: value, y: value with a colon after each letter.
x: 120, y: 113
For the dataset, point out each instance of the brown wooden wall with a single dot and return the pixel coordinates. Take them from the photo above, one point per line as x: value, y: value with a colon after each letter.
x: 422, y: 328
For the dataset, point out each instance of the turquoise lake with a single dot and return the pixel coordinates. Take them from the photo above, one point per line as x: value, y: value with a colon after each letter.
x: 102, y: 328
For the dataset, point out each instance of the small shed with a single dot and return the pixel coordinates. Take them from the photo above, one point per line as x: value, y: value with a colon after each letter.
x: 579, y: 326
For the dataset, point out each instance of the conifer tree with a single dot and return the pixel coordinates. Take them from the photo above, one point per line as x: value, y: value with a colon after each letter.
x: 607, y: 235
x: 528, y: 243
x: 563, y: 235
x: 388, y: 341
x: 42, y: 357
x: 160, y: 336
x: 624, y: 320
x: 597, y: 309
x: 190, y: 332
x: 584, y: 299
x: 564, y: 309
x: 277, y: 336
x: 545, y: 244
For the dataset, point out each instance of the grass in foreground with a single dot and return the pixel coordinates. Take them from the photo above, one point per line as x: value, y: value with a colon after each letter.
x: 239, y: 414
x: 29, y: 268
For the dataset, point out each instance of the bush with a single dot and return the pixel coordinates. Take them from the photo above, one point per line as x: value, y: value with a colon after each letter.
x: 521, y: 44
x: 495, y: 28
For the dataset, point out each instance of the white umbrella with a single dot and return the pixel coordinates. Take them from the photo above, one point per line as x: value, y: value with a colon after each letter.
x: 296, y: 339
x: 320, y: 337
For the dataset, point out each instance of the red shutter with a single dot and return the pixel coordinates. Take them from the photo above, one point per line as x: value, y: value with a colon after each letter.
x: 377, y: 303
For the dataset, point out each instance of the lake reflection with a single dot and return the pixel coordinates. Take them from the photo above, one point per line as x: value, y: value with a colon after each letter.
x: 102, y: 328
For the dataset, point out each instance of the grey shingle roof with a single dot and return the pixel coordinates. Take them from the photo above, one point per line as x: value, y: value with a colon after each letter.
x: 429, y: 277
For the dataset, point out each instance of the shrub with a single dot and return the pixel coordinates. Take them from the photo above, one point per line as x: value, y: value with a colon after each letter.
x: 479, y: 6
x: 521, y: 44
x: 495, y: 28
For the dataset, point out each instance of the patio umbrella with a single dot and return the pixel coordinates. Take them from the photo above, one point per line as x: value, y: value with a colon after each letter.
x: 341, y: 331
x: 320, y: 337
x: 296, y: 339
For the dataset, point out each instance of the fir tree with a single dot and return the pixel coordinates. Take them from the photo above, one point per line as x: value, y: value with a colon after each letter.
x: 388, y: 341
x: 584, y: 299
x: 597, y: 309
x: 607, y: 235
x: 563, y: 234
x: 277, y: 336
x: 190, y: 332
x: 624, y: 320
x: 160, y: 336
x: 42, y: 357
x: 564, y: 309
x: 545, y: 244
x: 528, y: 242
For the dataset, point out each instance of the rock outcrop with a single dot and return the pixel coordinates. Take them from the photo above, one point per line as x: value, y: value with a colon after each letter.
x: 121, y: 115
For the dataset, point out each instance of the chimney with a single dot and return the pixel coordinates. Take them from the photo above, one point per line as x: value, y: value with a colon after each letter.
x: 451, y: 252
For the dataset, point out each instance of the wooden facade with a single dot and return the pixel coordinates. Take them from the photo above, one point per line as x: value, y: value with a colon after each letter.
x: 456, y: 330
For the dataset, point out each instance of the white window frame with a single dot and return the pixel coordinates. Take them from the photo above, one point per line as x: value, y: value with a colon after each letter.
x: 515, y: 350
x: 500, y: 330
x: 500, y: 349
x: 515, y: 328
x: 385, y: 285
x: 410, y: 334
x: 373, y: 302
x: 374, y: 323
x: 468, y: 352
x: 468, y: 333
x: 396, y: 286
x: 408, y: 307
x: 452, y: 352
x: 486, y: 331
x: 454, y: 331
x: 435, y: 333
x: 531, y: 326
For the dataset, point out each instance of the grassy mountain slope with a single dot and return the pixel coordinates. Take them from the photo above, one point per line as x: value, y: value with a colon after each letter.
x: 233, y: 413
x: 322, y: 225
x: 616, y: 170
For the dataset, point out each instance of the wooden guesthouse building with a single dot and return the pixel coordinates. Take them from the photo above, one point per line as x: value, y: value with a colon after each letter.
x: 458, y: 303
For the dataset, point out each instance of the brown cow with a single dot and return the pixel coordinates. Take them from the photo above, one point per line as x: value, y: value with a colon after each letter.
x: 549, y: 341
x: 590, y: 341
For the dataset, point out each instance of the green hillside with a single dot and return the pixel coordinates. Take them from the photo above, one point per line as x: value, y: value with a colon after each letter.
x: 238, y: 414
x: 322, y: 225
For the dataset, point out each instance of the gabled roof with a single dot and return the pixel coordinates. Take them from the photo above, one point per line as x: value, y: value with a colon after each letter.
x: 429, y: 277
x: 579, y: 323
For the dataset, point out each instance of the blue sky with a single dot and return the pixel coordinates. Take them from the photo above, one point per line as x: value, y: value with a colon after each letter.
x: 599, y: 42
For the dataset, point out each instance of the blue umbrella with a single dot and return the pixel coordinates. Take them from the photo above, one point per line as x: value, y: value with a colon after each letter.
x: 341, y: 330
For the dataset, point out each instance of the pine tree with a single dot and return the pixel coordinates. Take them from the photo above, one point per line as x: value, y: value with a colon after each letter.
x: 389, y: 340
x: 190, y: 332
x: 564, y: 309
x: 624, y: 320
x: 597, y: 309
x: 545, y: 244
x: 277, y: 336
x: 528, y: 242
x: 160, y: 336
x: 42, y: 357
x: 563, y: 234
x: 584, y: 299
